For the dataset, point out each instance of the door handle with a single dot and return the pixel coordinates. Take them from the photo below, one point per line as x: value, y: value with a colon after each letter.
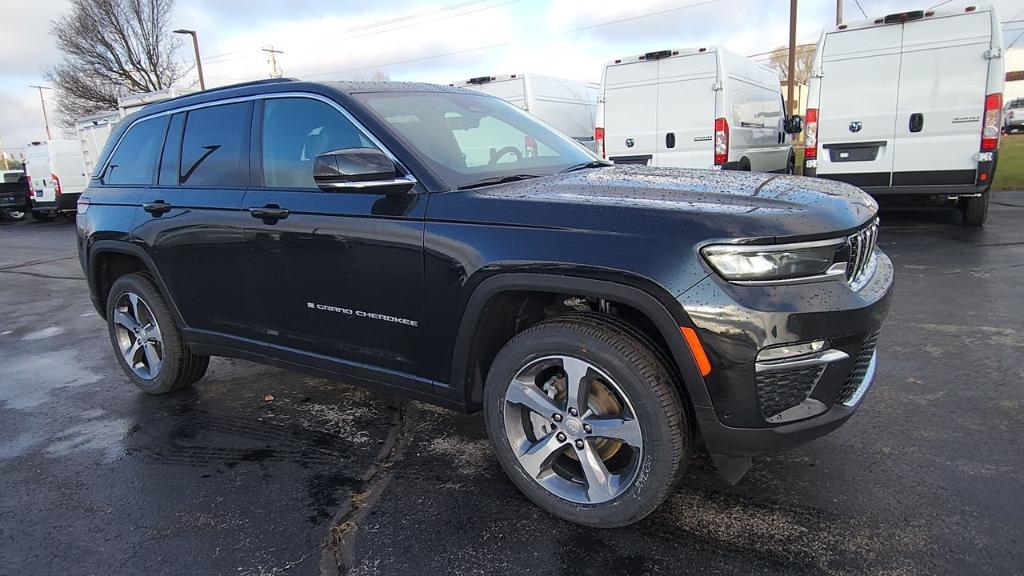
x: 916, y: 122
x: 670, y: 140
x: 269, y: 212
x: 156, y: 208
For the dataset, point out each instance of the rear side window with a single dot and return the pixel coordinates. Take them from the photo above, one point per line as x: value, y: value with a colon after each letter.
x: 215, y: 146
x: 134, y: 161
x: 297, y: 130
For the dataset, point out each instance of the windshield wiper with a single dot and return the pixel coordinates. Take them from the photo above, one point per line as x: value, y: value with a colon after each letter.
x: 499, y: 180
x: 585, y: 165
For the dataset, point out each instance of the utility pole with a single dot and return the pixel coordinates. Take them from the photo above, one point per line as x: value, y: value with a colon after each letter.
x: 195, y: 48
x: 839, y: 12
x: 275, y: 72
x: 792, y: 56
x: 46, y: 120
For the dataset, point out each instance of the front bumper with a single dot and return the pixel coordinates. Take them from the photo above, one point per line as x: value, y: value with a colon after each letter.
x: 748, y: 414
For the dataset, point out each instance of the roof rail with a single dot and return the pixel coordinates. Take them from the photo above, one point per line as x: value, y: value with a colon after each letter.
x: 231, y: 87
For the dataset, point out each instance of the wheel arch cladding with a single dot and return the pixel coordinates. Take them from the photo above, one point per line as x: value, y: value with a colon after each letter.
x: 504, y: 305
x: 111, y: 259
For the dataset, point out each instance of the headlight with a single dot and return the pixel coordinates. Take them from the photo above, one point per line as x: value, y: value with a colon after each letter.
x: 803, y: 261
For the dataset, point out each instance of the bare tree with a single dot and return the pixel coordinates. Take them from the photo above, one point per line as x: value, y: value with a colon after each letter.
x: 112, y: 48
x: 779, y: 60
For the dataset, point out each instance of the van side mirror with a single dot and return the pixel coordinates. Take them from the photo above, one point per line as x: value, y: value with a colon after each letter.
x: 365, y: 170
x: 795, y: 124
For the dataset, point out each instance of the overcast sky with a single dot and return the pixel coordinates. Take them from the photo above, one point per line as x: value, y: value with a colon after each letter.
x: 432, y: 40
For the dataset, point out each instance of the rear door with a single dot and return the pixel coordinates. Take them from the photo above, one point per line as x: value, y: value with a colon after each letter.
x: 941, y: 99
x: 631, y: 113
x: 686, y: 110
x: 857, y: 111
x: 190, y: 220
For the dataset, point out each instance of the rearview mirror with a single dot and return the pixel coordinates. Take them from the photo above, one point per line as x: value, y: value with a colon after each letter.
x: 359, y: 170
x: 795, y: 124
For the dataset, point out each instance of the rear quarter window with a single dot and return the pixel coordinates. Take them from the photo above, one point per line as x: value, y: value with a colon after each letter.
x: 134, y: 160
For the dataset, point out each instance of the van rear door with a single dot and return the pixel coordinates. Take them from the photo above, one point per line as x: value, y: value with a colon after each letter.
x: 630, y: 113
x: 686, y: 110
x: 859, y: 88
x: 941, y: 99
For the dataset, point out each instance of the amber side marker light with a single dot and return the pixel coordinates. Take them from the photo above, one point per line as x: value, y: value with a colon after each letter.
x: 697, y: 350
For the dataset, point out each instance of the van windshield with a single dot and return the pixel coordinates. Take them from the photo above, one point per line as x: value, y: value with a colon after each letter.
x: 472, y: 140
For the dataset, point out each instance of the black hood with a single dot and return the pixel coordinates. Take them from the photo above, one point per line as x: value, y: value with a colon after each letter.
x: 713, y: 203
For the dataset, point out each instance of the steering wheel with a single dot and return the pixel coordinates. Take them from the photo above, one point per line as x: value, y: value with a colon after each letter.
x: 506, y: 150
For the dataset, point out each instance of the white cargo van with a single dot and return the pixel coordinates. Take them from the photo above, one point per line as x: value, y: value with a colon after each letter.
x: 57, y: 177
x: 910, y: 104
x: 567, y: 105
x: 93, y: 132
x: 694, y: 108
x: 1013, y: 116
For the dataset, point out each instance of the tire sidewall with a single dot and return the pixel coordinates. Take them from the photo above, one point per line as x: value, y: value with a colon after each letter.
x: 657, y: 467
x: 172, y: 350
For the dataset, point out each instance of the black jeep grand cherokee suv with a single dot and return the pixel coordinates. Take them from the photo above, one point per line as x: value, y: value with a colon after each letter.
x: 445, y: 245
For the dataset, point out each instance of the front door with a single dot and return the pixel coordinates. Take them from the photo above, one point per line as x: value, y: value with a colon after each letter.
x: 335, y: 274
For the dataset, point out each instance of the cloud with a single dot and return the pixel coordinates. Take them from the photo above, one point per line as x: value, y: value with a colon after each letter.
x: 26, y: 46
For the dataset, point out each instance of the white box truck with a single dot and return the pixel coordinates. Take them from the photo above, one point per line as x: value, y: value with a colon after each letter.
x: 57, y: 177
x: 694, y: 108
x: 910, y: 104
x: 567, y: 105
x: 93, y: 132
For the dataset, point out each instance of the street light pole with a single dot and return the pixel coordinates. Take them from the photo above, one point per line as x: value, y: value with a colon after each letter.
x: 46, y: 121
x: 839, y: 12
x: 195, y: 48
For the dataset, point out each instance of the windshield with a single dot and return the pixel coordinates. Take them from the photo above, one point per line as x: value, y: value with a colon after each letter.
x: 468, y: 139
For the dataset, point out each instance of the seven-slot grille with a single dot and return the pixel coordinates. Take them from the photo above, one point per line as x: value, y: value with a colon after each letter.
x: 862, y: 248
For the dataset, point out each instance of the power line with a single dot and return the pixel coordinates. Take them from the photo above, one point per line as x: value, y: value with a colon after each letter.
x: 861, y: 8
x: 499, y: 44
x: 382, y: 23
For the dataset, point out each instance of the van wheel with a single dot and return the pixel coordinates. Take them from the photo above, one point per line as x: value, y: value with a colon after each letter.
x: 587, y: 421
x: 42, y: 216
x: 975, y: 210
x: 791, y: 165
x: 146, y: 339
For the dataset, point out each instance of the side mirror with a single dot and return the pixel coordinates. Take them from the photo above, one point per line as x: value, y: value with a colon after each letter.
x: 359, y: 170
x: 795, y: 124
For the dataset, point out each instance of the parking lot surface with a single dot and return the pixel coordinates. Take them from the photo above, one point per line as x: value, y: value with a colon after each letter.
x: 258, y: 470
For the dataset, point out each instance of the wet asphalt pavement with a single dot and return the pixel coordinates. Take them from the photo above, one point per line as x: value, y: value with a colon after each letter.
x: 258, y: 470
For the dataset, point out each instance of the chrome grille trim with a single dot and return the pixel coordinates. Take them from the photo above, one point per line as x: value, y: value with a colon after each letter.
x: 862, y: 244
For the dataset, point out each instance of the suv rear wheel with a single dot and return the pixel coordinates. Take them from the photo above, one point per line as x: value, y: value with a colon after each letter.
x: 146, y: 339
x: 586, y: 420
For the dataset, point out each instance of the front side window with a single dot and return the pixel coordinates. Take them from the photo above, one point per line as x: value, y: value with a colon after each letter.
x: 215, y: 146
x: 297, y: 130
x: 134, y: 160
x: 470, y: 138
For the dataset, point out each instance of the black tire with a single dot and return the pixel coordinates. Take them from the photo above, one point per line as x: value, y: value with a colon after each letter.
x: 975, y: 210
x: 791, y: 165
x: 14, y: 215
x: 42, y: 216
x: 642, y: 376
x: 180, y: 367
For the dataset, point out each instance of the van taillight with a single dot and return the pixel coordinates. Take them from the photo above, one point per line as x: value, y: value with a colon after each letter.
x: 721, y: 141
x: 811, y: 134
x: 990, y: 127
x: 599, y: 137
x: 56, y: 184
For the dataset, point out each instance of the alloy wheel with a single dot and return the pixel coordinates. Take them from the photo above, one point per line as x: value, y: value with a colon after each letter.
x: 138, y: 335
x: 572, y: 429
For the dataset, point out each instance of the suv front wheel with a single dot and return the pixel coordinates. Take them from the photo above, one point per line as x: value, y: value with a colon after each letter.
x: 586, y: 420
x: 146, y: 339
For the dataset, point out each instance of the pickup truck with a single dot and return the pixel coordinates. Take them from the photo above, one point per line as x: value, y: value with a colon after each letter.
x: 15, y: 202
